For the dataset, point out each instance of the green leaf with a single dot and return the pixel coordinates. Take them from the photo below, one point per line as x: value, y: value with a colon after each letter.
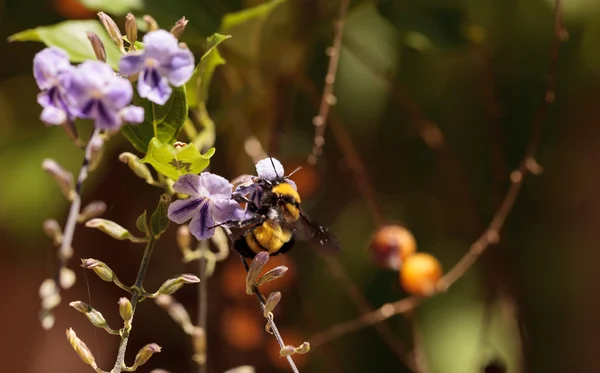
x: 257, y: 13
x: 142, y: 223
x: 138, y: 44
x: 174, y: 162
x: 159, y: 221
x: 72, y: 37
x: 199, y: 83
x: 118, y: 8
x: 168, y: 120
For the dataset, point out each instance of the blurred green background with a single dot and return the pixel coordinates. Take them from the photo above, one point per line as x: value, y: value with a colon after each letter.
x: 474, y: 68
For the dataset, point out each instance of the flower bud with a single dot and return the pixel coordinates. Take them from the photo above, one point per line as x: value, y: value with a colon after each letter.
x: 184, y: 239
x: 177, y: 312
x: 97, y: 46
x: 93, y: 151
x: 177, y: 30
x: 82, y: 350
x: 145, y: 354
x: 92, y: 210
x: 151, y: 22
x: 66, y: 277
x: 113, y: 229
x: 95, y: 317
x: 271, y: 275
x: 62, y: 177
x: 391, y: 245
x: 47, y: 319
x: 175, y: 283
x: 102, y: 270
x: 420, y: 274
x: 303, y: 348
x: 48, y: 288
x: 199, y: 343
x: 272, y: 301
x: 139, y: 168
x: 242, y: 369
x: 221, y: 243
x: 287, y: 351
x: 256, y: 266
x: 112, y: 29
x: 53, y: 230
x: 131, y: 30
x: 49, y: 294
x: 159, y: 221
x: 125, y: 309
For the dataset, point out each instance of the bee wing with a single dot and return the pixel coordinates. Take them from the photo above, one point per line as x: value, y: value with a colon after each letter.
x: 316, y: 234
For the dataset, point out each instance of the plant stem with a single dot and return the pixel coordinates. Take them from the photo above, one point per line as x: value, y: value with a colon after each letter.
x: 203, y: 307
x: 261, y: 301
x: 136, y: 291
x: 65, y: 251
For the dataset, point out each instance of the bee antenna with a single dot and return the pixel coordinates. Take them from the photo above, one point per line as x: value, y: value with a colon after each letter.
x: 273, y: 164
x: 293, y: 172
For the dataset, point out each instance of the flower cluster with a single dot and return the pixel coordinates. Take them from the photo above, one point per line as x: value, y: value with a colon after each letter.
x: 162, y: 61
x: 210, y: 202
x: 92, y: 90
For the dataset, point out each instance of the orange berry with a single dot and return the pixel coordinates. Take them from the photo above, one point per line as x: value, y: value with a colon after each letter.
x: 243, y: 328
x: 420, y: 274
x: 73, y: 9
x: 391, y: 245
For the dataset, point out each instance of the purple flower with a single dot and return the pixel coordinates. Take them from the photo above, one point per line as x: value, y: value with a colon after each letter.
x: 209, y: 203
x: 53, y: 71
x: 96, y: 92
x: 161, y: 62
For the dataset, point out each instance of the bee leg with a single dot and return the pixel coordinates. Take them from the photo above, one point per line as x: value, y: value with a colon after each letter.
x: 243, y: 199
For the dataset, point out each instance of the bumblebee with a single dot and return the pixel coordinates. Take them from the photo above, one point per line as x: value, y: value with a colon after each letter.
x: 276, y: 220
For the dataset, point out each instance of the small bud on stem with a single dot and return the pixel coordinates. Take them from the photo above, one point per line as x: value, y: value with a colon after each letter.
x: 131, y: 30
x: 177, y: 30
x: 81, y: 348
x: 97, y: 46
x: 62, y: 177
x: 112, y: 29
x: 145, y: 354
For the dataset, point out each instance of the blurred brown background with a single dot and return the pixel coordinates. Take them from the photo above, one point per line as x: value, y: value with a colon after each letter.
x: 474, y: 68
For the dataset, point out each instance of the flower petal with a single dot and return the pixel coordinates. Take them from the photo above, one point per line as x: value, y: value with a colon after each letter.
x: 183, y: 210
x: 132, y: 114
x: 53, y: 116
x: 154, y: 87
x: 160, y: 44
x: 118, y: 93
x: 93, y: 75
x: 201, y: 223
x: 106, y: 118
x: 131, y: 64
x: 269, y: 168
x: 189, y: 184
x: 225, y: 209
x: 47, y: 64
x: 180, y: 69
x: 215, y: 186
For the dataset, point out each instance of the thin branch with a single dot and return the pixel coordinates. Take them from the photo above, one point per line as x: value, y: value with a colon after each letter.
x: 328, y: 98
x: 136, y: 288
x: 271, y: 321
x: 203, y: 305
x: 491, y: 235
